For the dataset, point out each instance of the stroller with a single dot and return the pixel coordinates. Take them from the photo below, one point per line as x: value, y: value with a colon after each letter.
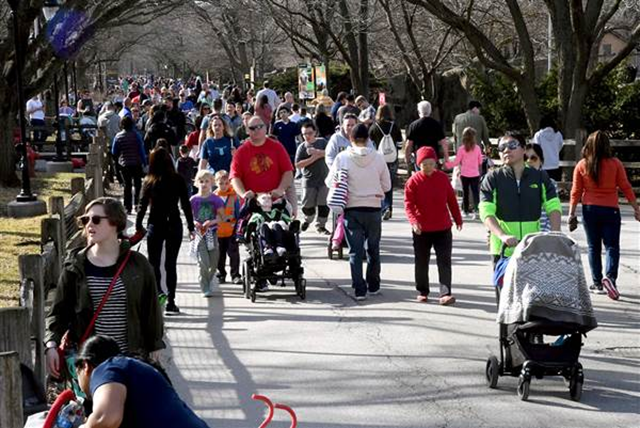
x: 257, y: 268
x: 542, y: 293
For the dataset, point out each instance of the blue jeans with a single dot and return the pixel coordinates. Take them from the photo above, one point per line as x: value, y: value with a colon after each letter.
x: 364, y: 227
x: 602, y: 225
x: 387, y: 203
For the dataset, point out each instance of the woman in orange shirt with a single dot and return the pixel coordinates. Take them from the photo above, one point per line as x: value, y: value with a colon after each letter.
x: 596, y: 180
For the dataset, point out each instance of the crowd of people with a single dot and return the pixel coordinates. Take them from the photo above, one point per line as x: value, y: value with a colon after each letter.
x: 222, y: 156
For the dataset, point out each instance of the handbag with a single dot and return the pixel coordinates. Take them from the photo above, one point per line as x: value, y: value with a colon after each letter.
x: 338, y: 192
x: 67, y: 350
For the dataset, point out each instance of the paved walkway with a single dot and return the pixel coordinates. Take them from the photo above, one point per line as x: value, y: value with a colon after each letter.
x: 390, y: 362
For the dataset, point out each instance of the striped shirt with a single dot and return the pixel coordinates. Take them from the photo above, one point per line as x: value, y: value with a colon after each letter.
x: 112, y: 320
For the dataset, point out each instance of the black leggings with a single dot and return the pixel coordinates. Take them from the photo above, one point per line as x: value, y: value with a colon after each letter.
x: 470, y: 186
x: 277, y: 236
x: 171, y: 236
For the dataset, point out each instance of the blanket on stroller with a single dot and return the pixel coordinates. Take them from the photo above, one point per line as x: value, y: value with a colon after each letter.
x: 545, y: 280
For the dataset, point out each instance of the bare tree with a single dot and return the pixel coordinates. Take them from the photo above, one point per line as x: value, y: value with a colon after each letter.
x: 42, y: 59
x: 576, y: 27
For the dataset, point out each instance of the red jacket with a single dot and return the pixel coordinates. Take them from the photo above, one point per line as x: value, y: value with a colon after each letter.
x: 428, y: 200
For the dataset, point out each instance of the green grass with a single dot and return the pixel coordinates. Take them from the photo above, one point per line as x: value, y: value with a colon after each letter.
x: 22, y: 236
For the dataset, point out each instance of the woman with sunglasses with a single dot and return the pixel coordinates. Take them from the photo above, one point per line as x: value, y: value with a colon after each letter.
x: 131, y: 314
x: 597, y: 178
x: 163, y: 189
x: 129, y: 391
x: 535, y: 159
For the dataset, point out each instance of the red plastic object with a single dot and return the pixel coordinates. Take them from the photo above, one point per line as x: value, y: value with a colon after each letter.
x: 271, y: 407
x: 78, y: 163
x: 62, y: 400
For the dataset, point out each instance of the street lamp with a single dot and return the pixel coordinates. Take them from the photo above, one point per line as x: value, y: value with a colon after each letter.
x: 25, y: 193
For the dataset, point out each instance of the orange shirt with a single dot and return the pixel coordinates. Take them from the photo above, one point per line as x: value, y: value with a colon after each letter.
x: 231, y: 205
x: 612, y: 177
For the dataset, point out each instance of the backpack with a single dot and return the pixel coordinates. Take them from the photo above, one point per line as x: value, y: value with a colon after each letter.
x: 387, y: 147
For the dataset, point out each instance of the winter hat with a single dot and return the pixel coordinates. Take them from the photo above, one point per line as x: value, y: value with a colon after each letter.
x: 425, y: 153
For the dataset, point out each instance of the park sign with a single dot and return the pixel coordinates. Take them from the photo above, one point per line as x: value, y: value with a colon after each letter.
x: 320, y: 71
x: 306, y: 82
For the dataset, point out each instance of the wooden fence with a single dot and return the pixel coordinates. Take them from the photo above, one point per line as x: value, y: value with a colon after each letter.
x: 22, y: 328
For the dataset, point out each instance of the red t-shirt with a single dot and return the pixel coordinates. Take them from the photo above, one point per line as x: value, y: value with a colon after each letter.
x: 260, y: 168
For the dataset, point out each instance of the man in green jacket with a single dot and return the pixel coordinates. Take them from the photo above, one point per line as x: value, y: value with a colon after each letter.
x: 512, y: 198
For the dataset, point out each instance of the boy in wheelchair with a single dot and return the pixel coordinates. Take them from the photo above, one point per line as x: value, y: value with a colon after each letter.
x: 276, y: 230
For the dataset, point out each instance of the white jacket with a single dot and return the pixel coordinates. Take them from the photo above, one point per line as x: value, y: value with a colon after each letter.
x: 368, y: 176
x: 551, y: 143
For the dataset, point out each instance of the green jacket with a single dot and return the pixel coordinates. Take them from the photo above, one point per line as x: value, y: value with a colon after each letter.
x: 517, y: 208
x: 72, y: 308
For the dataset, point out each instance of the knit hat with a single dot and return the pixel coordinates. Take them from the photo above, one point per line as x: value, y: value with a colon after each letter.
x: 425, y: 153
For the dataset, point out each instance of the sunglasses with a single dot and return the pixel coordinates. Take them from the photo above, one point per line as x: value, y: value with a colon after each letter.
x: 95, y: 219
x: 511, y: 145
x: 255, y: 128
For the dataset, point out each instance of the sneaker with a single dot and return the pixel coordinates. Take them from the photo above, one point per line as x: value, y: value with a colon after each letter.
x: 612, y: 291
x: 386, y: 215
x: 237, y: 280
x: 222, y: 279
x: 597, y: 289
x: 304, y: 226
x: 323, y: 231
x: 447, y: 300
x: 281, y: 251
x: 361, y: 298
x: 162, y: 299
x: 474, y: 216
x: 171, y: 309
x: 374, y: 293
x: 261, y: 288
x: 268, y: 252
x: 207, y: 294
x: 422, y: 298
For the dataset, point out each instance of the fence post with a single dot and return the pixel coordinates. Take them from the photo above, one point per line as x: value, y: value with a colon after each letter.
x: 14, y: 333
x: 10, y: 390
x: 77, y: 185
x: 95, y: 156
x: 56, y: 206
x: 32, y: 270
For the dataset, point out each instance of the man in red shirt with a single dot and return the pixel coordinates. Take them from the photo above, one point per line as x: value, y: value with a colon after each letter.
x: 430, y: 202
x: 261, y: 164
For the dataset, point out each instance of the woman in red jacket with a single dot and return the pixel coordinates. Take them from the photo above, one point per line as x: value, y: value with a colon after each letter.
x: 596, y: 181
x: 429, y: 202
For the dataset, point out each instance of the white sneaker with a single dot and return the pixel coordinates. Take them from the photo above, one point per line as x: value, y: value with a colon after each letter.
x: 207, y: 294
x: 281, y: 251
x: 268, y: 252
x: 374, y: 293
x: 474, y: 216
x: 361, y: 298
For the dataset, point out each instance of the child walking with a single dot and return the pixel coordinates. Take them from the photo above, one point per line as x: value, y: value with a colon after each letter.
x: 207, y: 209
x: 226, y: 238
x: 469, y: 157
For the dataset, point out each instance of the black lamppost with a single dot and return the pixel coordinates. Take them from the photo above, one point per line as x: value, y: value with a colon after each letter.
x: 25, y: 193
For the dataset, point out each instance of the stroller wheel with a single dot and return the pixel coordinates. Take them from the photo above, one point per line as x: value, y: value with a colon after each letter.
x: 253, y: 296
x: 329, y: 251
x: 246, y: 278
x: 492, y: 372
x: 523, y: 388
x: 575, y: 389
x: 301, y: 288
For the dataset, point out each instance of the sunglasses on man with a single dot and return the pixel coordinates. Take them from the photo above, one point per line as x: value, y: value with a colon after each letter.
x: 95, y: 219
x: 255, y: 127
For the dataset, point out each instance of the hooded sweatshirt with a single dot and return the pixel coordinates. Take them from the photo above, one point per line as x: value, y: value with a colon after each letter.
x: 368, y: 176
x: 337, y: 143
x: 551, y: 143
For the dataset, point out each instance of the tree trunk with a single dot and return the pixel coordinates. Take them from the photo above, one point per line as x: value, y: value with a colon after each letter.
x: 363, y: 48
x: 527, y: 92
x: 573, y: 111
x: 8, y: 176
